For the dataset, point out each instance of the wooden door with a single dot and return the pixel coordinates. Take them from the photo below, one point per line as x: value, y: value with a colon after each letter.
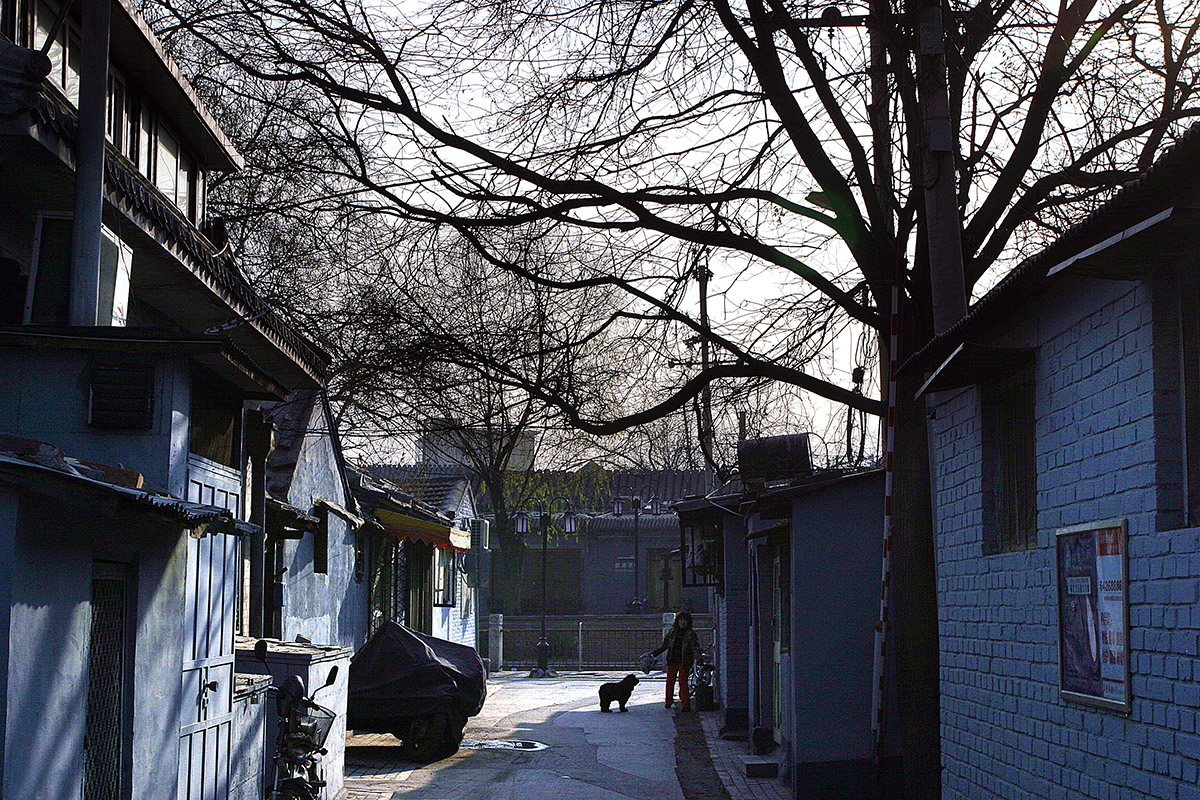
x: 664, y: 577
x: 777, y: 646
x: 210, y: 604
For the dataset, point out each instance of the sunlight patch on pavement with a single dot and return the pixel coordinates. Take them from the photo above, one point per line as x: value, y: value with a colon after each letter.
x: 501, y: 744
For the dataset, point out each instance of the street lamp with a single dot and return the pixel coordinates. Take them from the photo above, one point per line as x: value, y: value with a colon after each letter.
x: 636, y: 500
x: 522, y: 520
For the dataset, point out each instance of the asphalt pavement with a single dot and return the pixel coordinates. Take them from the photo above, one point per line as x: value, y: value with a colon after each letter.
x: 543, y: 740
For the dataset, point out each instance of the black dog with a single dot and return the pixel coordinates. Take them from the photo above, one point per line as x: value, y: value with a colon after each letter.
x: 618, y: 691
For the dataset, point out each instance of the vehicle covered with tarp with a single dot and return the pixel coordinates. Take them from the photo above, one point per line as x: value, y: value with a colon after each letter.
x: 417, y: 687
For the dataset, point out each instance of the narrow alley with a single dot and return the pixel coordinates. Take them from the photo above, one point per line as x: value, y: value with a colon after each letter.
x: 546, y: 740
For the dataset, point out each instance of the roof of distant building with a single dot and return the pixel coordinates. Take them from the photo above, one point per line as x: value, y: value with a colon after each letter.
x: 441, y: 487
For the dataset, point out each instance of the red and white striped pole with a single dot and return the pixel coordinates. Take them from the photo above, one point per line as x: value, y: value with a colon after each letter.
x: 881, y: 625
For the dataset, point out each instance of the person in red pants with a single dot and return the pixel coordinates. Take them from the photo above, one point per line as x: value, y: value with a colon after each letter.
x: 681, y: 646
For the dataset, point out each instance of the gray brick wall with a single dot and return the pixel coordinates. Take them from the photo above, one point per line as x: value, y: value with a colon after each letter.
x: 733, y: 626
x: 1102, y: 417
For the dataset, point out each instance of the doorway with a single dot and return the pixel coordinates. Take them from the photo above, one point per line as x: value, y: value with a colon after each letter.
x: 782, y: 644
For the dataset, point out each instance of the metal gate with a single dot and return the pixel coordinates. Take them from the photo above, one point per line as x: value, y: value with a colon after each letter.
x: 210, y: 597
x: 104, y: 753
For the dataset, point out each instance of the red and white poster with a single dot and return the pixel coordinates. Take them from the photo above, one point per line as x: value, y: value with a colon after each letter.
x: 1092, y: 614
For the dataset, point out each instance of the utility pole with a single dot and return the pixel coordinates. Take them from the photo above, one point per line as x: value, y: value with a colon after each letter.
x: 913, y: 543
x: 942, y: 226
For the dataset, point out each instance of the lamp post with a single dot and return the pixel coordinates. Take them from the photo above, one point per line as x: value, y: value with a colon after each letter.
x: 542, y: 670
x: 636, y: 500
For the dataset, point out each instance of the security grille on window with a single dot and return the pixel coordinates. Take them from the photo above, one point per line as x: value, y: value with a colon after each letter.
x: 1009, y: 462
x: 445, y: 578
x: 121, y: 397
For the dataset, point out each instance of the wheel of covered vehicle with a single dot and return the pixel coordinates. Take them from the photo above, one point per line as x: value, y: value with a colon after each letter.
x: 425, y: 739
x: 295, y: 789
x: 454, y: 733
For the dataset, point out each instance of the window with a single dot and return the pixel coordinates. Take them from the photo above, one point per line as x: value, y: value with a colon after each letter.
x: 133, y: 128
x: 166, y: 167
x: 445, y: 576
x: 48, y: 301
x: 13, y: 280
x: 321, y: 544
x: 11, y: 17
x: 186, y: 199
x: 1009, y: 462
x: 116, y: 268
x: 115, y: 112
x: 700, y: 546
x: 121, y: 397
x: 214, y: 425
x: 145, y: 151
x: 64, y: 52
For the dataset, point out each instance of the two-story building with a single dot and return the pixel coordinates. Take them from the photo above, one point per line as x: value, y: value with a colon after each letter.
x: 133, y: 352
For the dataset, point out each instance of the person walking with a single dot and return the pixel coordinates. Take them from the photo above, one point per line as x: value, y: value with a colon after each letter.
x: 681, y: 646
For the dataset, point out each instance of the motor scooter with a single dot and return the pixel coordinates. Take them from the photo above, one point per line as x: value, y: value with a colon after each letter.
x: 304, y: 726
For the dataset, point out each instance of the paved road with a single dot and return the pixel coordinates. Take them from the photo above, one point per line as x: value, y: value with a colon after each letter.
x: 587, y: 755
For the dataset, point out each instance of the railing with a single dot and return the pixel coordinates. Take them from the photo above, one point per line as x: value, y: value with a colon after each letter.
x: 586, y: 642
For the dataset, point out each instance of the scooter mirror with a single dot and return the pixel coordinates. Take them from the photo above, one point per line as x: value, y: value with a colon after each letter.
x: 332, y: 676
x: 260, y: 650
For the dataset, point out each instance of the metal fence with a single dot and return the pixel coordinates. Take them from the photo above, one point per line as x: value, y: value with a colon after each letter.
x: 612, y: 642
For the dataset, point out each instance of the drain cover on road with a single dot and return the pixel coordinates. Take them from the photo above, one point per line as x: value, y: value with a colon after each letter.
x: 501, y: 744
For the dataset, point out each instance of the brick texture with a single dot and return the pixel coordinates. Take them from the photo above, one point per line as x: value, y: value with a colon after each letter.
x: 1101, y: 415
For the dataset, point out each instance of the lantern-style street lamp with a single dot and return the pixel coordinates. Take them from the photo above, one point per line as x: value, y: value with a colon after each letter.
x: 637, y: 501
x: 543, y: 520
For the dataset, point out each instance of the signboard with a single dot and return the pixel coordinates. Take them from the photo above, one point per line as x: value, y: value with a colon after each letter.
x: 1093, y: 629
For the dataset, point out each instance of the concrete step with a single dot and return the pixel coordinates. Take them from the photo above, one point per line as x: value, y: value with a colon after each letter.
x: 759, y: 766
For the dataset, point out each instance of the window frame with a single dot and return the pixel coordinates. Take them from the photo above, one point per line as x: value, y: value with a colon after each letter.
x: 69, y: 41
x: 1008, y: 463
x: 320, y: 559
x: 445, y: 577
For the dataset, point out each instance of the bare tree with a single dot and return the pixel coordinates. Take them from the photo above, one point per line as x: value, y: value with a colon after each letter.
x: 685, y: 136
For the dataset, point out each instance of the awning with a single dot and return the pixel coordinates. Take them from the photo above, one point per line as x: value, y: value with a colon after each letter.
x: 970, y: 363
x: 285, y: 521
x: 201, y: 519
x: 403, y: 526
x: 344, y: 513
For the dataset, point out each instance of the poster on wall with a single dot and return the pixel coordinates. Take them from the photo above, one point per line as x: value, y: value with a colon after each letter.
x: 1093, y: 641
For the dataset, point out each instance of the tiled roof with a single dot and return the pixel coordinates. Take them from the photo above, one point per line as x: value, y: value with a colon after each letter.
x: 292, y: 420
x: 30, y: 460
x: 440, y: 487
x: 623, y: 524
x: 198, y: 253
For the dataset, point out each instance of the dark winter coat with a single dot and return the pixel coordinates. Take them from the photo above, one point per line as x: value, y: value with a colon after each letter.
x: 689, y: 650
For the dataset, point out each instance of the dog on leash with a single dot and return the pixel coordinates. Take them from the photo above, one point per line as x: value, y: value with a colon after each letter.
x: 618, y: 692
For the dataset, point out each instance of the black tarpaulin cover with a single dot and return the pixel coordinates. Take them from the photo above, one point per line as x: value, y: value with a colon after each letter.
x: 401, y: 673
